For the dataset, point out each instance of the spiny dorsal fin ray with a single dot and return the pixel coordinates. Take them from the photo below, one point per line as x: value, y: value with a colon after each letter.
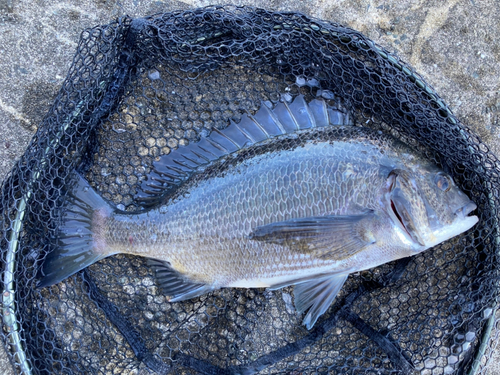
x: 319, y: 111
x: 299, y: 110
x: 173, y: 169
x: 266, y: 114
x: 238, y: 135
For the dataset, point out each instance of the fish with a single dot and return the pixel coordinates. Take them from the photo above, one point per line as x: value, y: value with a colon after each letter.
x: 295, y: 194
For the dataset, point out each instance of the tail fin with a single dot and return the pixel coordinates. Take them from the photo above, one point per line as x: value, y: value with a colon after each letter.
x: 83, y: 212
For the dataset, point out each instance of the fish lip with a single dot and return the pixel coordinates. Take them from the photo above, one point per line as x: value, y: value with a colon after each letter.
x: 464, y: 211
x: 469, y: 222
x: 460, y: 225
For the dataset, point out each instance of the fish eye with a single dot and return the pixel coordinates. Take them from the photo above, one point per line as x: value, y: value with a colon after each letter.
x: 443, y: 182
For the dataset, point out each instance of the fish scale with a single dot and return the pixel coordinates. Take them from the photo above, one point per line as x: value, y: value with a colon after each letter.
x: 267, y: 204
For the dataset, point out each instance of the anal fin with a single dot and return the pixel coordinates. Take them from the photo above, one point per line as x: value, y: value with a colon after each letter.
x: 175, y: 285
x: 317, y: 296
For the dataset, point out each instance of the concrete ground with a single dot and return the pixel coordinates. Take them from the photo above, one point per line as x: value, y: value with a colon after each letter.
x: 454, y: 44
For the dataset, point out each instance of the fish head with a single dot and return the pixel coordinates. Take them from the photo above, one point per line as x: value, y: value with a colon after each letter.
x: 427, y: 206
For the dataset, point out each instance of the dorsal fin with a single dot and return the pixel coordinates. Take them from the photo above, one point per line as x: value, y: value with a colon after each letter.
x: 175, y: 168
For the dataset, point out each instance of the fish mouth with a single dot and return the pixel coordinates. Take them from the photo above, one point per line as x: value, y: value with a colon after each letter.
x: 405, y: 221
x: 464, y: 211
x: 462, y: 216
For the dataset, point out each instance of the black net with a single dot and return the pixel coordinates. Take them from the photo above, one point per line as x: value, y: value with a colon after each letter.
x: 140, y: 88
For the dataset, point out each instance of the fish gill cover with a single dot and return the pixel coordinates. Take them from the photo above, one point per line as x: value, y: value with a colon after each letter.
x: 140, y: 89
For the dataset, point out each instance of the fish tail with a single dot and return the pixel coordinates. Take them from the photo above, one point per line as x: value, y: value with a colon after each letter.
x: 79, y: 241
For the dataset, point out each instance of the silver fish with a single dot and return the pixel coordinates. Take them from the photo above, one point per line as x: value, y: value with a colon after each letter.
x: 281, y: 198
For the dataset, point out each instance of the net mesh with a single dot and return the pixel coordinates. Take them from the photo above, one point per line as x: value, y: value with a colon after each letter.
x: 140, y: 88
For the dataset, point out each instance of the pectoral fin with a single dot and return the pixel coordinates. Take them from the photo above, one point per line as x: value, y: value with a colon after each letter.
x: 317, y: 296
x: 325, y: 237
x: 175, y: 285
